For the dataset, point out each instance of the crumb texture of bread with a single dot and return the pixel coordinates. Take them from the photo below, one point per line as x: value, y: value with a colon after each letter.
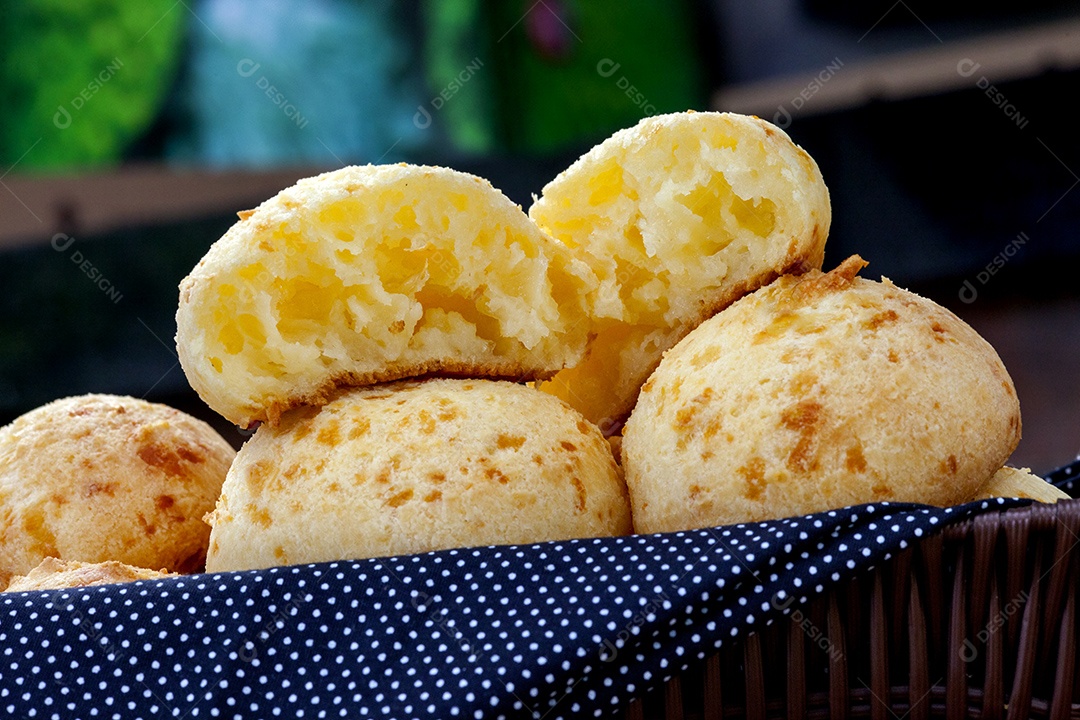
x: 818, y: 392
x: 53, y: 574
x: 101, y: 477
x: 678, y: 217
x: 1010, y: 482
x: 371, y: 274
x: 415, y: 466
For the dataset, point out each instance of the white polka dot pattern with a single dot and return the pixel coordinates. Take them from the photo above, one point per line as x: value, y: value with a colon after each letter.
x: 553, y: 630
x: 1067, y: 478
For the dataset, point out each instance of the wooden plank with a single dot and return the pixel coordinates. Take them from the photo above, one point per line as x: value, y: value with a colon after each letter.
x: 35, y: 207
x: 955, y: 65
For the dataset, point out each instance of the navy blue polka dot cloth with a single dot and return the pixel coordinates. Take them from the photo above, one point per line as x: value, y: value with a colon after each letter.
x: 1067, y: 478
x: 553, y: 630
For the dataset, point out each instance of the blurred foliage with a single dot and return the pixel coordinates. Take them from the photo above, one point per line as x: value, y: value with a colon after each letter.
x: 303, y: 82
x: 300, y: 82
x: 458, y: 55
x: 570, y: 71
x: 79, y: 81
x: 542, y: 77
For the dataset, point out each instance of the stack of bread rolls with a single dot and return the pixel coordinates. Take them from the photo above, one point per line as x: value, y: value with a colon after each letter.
x: 429, y: 367
x: 307, y: 311
x: 373, y: 319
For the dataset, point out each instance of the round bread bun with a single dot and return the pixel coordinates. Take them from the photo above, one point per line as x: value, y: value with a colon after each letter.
x: 678, y: 216
x: 53, y: 574
x: 416, y: 466
x: 376, y: 273
x: 100, y: 477
x: 818, y: 392
x: 1009, y: 482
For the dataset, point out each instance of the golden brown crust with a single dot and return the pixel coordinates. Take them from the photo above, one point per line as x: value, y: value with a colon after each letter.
x: 818, y: 285
x: 53, y: 574
x: 444, y: 368
x: 415, y: 466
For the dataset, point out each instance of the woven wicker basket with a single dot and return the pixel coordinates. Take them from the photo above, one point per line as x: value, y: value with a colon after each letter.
x: 976, y: 622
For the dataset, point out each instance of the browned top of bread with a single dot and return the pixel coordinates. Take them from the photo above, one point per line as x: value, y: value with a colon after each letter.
x: 416, y: 466
x: 101, y: 477
x: 818, y: 392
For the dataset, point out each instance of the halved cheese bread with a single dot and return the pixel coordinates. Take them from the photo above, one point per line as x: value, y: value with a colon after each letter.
x: 368, y: 274
x: 678, y: 216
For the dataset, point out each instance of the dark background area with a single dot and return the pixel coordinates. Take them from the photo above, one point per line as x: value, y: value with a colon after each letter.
x: 958, y: 190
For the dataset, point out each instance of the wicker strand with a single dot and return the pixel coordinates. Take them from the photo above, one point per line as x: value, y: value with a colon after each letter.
x: 918, y: 659
x: 1016, y: 545
x: 1020, y: 697
x: 755, y: 678
x: 797, y: 688
x: 994, y: 661
x: 900, y: 581
x: 932, y: 556
x: 673, y: 699
x: 879, y: 655
x: 714, y: 697
x: 956, y: 699
x: 838, y: 676
x: 985, y: 530
x: 1061, y: 703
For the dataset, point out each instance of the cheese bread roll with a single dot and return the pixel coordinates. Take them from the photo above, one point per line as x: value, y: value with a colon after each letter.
x: 410, y: 467
x: 678, y: 216
x: 813, y: 393
x: 375, y: 273
x: 93, y: 478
